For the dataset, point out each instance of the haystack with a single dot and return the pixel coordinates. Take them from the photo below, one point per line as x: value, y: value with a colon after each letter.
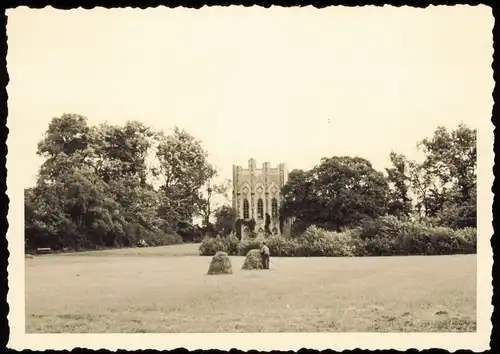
x: 253, y: 260
x: 221, y: 264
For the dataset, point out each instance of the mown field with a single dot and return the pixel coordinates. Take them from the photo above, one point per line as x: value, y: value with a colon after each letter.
x: 166, y: 289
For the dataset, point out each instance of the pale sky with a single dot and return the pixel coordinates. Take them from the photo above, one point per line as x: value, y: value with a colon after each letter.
x: 280, y: 84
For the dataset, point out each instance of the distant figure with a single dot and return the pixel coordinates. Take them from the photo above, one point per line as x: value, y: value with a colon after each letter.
x: 264, y: 251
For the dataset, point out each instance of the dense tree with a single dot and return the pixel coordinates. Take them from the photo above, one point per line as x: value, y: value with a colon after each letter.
x: 66, y: 144
x: 225, y: 217
x: 184, y: 170
x: 96, y: 187
x: 443, y: 186
x: 399, y: 178
x: 341, y: 191
x: 120, y: 160
x: 190, y: 232
x: 75, y: 210
x: 298, y: 194
x: 450, y: 162
x: 122, y: 151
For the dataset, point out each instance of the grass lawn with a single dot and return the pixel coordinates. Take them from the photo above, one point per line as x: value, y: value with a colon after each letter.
x: 166, y: 289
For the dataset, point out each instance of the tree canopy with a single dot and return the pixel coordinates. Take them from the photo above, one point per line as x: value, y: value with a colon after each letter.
x: 339, y: 192
x: 97, y: 189
x: 343, y: 191
x: 116, y: 186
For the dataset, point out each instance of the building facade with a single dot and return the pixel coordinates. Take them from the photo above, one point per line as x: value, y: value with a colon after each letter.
x: 256, y: 193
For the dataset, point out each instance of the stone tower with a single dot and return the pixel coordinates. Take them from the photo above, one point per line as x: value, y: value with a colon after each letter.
x: 256, y: 192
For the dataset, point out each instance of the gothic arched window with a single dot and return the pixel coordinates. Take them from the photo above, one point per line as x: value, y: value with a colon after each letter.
x: 260, y: 208
x: 274, y: 206
x: 246, y: 209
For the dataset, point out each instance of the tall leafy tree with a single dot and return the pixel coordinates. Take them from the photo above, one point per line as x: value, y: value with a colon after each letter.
x: 122, y: 151
x: 184, y: 169
x: 341, y: 191
x: 225, y: 217
x: 120, y: 160
x: 443, y: 186
x: 66, y: 136
x: 451, y: 156
x: 94, y: 188
x: 399, y: 179
x: 451, y: 162
x: 75, y: 210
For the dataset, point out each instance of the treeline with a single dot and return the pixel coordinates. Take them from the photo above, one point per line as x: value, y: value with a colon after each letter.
x: 345, y: 191
x: 124, y: 186
x: 345, y: 207
x: 117, y: 186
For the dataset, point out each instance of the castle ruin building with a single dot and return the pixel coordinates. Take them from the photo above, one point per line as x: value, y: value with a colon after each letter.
x: 257, y: 192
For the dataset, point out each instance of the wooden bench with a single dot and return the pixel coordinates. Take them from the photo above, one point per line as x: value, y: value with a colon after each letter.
x: 43, y: 250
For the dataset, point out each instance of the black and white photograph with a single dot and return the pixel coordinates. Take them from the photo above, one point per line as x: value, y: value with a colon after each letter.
x: 250, y: 178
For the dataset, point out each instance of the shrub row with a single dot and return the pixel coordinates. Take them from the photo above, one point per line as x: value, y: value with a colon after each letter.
x: 386, y: 236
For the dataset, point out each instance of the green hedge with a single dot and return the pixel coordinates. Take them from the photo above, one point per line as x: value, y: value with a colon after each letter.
x: 211, y: 245
x: 250, y: 244
x: 385, y: 236
x: 230, y: 244
x: 391, y: 236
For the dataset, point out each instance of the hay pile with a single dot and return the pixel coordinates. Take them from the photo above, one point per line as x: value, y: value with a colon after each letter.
x: 221, y: 264
x: 253, y: 260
